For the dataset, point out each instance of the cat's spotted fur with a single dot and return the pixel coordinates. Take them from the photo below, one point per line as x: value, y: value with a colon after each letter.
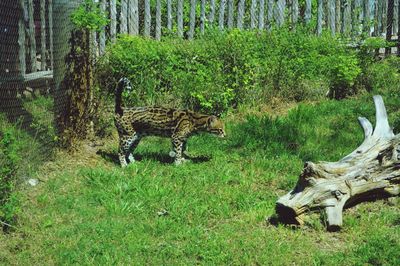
x: 136, y: 122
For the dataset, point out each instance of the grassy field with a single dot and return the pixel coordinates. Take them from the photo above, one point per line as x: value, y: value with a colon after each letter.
x: 88, y: 211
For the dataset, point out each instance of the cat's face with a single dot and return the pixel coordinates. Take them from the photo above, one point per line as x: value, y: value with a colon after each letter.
x: 216, y: 126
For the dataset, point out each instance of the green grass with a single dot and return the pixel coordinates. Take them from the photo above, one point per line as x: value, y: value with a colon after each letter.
x: 211, y: 211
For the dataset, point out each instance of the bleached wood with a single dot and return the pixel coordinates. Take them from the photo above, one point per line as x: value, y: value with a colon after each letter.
x: 169, y: 15
x: 42, y: 35
x: 158, y: 20
x: 230, y: 14
x: 212, y: 12
x: 261, y: 15
x: 253, y: 14
x: 221, y: 17
x: 307, y: 12
x: 113, y: 19
x: 270, y: 14
x: 123, y: 26
x: 371, y: 170
x: 319, y: 17
x: 31, y: 36
x: 147, y: 18
x: 202, y: 15
x: 133, y: 17
x: 180, y: 18
x: 192, y: 21
x: 240, y: 16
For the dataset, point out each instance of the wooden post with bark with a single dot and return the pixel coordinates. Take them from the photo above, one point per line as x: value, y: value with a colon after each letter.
x: 192, y: 22
x: 371, y: 171
x: 180, y: 18
x: 240, y: 14
x: 158, y: 20
x: 230, y: 14
x: 32, y: 40
x: 221, y: 16
x: 113, y: 19
x: 261, y: 15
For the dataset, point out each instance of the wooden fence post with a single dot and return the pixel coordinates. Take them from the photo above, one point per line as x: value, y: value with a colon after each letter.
x: 169, y: 15
x: 212, y: 12
x: 21, y: 39
x: 253, y: 14
x: 180, y: 18
x: 147, y: 18
x: 102, y: 34
x: 319, y: 17
x: 270, y: 14
x: 42, y: 35
x: 133, y: 17
x: 202, y: 15
x: 338, y: 13
x: 158, y: 20
x: 240, y: 15
x: 51, y: 33
x: 113, y: 19
x: 221, y: 18
x: 346, y: 24
x: 389, y: 25
x: 367, y: 18
x: 123, y: 27
x: 280, y: 12
x: 295, y: 12
x: 395, y: 16
x: 398, y: 30
x: 261, y: 15
x: 192, y: 22
x: 307, y: 12
x: 331, y: 16
x: 32, y: 40
x: 230, y: 14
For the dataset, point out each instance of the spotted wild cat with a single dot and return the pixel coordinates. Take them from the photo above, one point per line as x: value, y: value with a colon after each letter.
x: 137, y: 122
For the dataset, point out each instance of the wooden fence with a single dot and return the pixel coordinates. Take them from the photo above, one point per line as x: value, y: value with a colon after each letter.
x: 187, y: 19
x: 191, y: 18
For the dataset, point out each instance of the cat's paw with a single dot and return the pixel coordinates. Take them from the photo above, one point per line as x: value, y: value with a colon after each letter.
x: 180, y: 161
x: 131, y: 158
x: 172, y: 154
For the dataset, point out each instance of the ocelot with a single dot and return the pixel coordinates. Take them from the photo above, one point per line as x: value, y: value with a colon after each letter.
x: 137, y: 122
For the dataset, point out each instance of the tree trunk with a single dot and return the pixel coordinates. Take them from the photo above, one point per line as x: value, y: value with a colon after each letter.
x: 280, y: 12
x: 367, y: 18
x: 21, y: 39
x: 42, y: 35
x: 331, y: 16
x: 169, y: 15
x: 369, y: 172
x: 295, y: 12
x: 102, y: 34
x: 270, y: 14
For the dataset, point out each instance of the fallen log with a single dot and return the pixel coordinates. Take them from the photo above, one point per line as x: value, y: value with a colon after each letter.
x: 371, y: 171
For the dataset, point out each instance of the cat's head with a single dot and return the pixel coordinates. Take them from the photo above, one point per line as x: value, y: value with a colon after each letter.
x: 125, y: 83
x: 216, y: 126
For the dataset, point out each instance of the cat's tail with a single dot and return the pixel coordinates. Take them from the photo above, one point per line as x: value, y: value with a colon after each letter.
x: 123, y: 83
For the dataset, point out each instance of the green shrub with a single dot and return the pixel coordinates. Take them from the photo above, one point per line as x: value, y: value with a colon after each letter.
x: 222, y: 70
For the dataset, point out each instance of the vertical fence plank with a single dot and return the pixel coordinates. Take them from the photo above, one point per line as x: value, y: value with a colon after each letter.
x: 379, y: 11
x: 319, y: 17
x: 307, y: 12
x: 253, y: 14
x: 398, y: 30
x: 202, y: 15
x: 192, y: 22
x: 354, y: 17
x: 221, y: 18
x: 367, y: 18
x: 261, y: 13
x: 169, y: 15
x: 331, y: 16
x: 230, y: 14
x: 395, y: 16
x: 113, y: 19
x: 102, y: 34
x: 133, y: 17
x: 240, y: 15
x: 295, y: 12
x: 32, y: 40
x: 147, y: 18
x: 43, y: 35
x: 270, y: 14
x: 50, y: 9
x: 338, y: 13
x: 180, y: 18
x: 346, y: 25
x: 280, y: 12
x: 21, y: 39
x: 389, y: 25
x: 212, y: 12
x: 123, y: 26
x: 158, y: 20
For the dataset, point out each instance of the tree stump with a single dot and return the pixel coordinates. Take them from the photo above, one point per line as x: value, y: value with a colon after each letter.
x: 371, y: 171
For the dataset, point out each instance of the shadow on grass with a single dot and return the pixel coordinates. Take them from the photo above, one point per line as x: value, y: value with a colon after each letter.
x: 162, y: 158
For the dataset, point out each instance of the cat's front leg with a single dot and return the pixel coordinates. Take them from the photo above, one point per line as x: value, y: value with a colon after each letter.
x: 178, y: 143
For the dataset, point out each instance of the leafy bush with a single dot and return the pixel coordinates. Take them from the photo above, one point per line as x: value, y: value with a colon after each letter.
x: 222, y: 70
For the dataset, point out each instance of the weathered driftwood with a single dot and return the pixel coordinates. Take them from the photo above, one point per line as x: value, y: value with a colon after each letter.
x: 369, y: 172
